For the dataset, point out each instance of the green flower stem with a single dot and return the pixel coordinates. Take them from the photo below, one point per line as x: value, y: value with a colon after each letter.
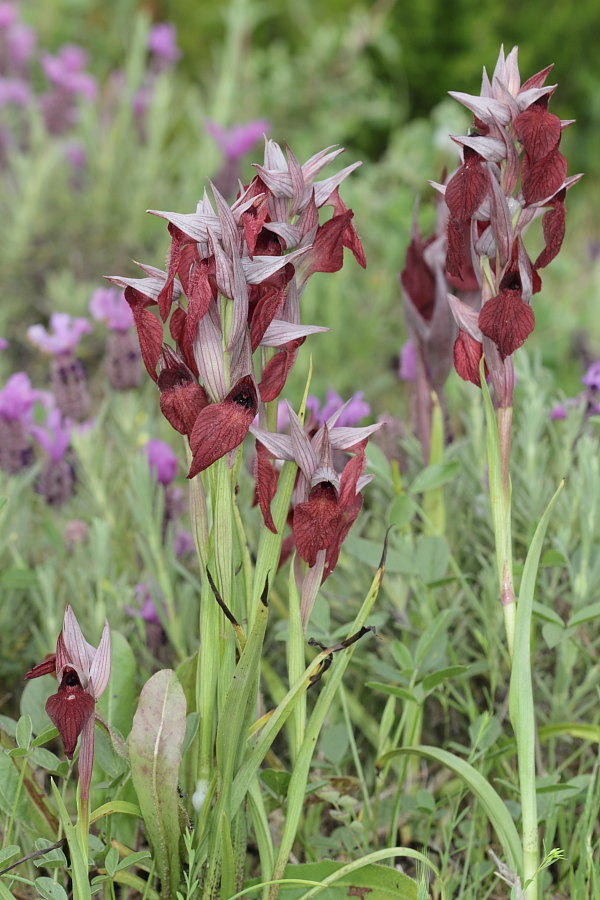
x: 296, y: 664
x: 300, y: 773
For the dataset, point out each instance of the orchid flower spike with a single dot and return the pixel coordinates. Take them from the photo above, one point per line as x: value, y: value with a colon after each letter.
x: 83, y: 672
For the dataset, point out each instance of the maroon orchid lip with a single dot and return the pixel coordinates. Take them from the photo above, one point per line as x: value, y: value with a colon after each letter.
x: 221, y: 427
x: 69, y: 709
x: 84, y: 672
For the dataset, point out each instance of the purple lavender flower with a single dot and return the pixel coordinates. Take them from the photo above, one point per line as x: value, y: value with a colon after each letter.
x: 162, y: 461
x: 20, y: 44
x: 591, y: 379
x: 64, y: 334
x: 108, y: 305
x: 559, y: 411
x: 145, y: 593
x: 75, y: 154
x: 17, y: 398
x: 236, y: 141
x: 162, y: 42
x: 183, y: 543
x: 65, y: 71
x: 407, y: 370
x: 15, y: 91
x: 8, y: 15
x: 55, y: 436
x: 3, y: 343
x: 355, y: 410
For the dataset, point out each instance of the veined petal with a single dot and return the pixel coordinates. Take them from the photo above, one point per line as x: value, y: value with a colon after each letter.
x: 280, y: 332
x: 257, y: 269
x: 266, y: 484
x: 278, y: 445
x: 465, y: 317
x: 467, y: 356
x: 553, y: 225
x: 485, y: 108
x: 46, y: 667
x: 80, y: 653
x: 344, y: 438
x: 315, y: 522
x: 101, y: 664
x: 221, y: 427
x: 507, y: 321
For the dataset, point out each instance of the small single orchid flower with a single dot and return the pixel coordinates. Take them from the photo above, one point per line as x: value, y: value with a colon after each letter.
x: 327, y: 500
x: 83, y: 672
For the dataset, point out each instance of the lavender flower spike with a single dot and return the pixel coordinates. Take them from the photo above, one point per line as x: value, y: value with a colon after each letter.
x: 63, y: 336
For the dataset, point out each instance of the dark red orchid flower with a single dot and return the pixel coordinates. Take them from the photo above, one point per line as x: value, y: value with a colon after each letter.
x: 83, y: 672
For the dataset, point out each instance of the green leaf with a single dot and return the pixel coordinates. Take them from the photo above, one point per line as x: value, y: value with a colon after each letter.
x: 132, y: 859
x: 49, y: 889
x: 434, y: 477
x: 115, y: 806
x: 117, y: 703
x: 553, y: 558
x: 53, y: 859
x: 432, y: 681
x: 155, y: 745
x: 48, y: 734
x: 370, y: 881
x: 394, y: 690
x: 8, y: 725
x: 46, y: 760
x: 9, y: 854
x: 17, y: 577
x: 23, y: 732
x: 378, y: 463
x: 402, y: 510
x: 493, y: 805
x: 111, y: 861
x: 432, y: 557
x: 585, y: 614
x: 33, y: 702
x: 547, y: 614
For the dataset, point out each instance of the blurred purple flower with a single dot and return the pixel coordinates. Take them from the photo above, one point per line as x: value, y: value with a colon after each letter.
x: 8, y: 15
x: 17, y: 398
x: 144, y: 594
x: 3, y: 343
x: 63, y: 336
x: 141, y: 99
x: 162, y: 41
x: 75, y: 155
x: 20, y: 41
x: 65, y: 70
x: 55, y: 436
x: 591, y: 379
x: 14, y: 91
x: 558, y: 412
x: 356, y: 409
x: 162, y: 461
x: 109, y: 305
x: 236, y: 141
x: 407, y: 370
x: 183, y: 543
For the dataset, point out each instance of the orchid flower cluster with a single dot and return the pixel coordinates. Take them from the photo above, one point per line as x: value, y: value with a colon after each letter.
x: 512, y: 173
x: 242, y: 270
